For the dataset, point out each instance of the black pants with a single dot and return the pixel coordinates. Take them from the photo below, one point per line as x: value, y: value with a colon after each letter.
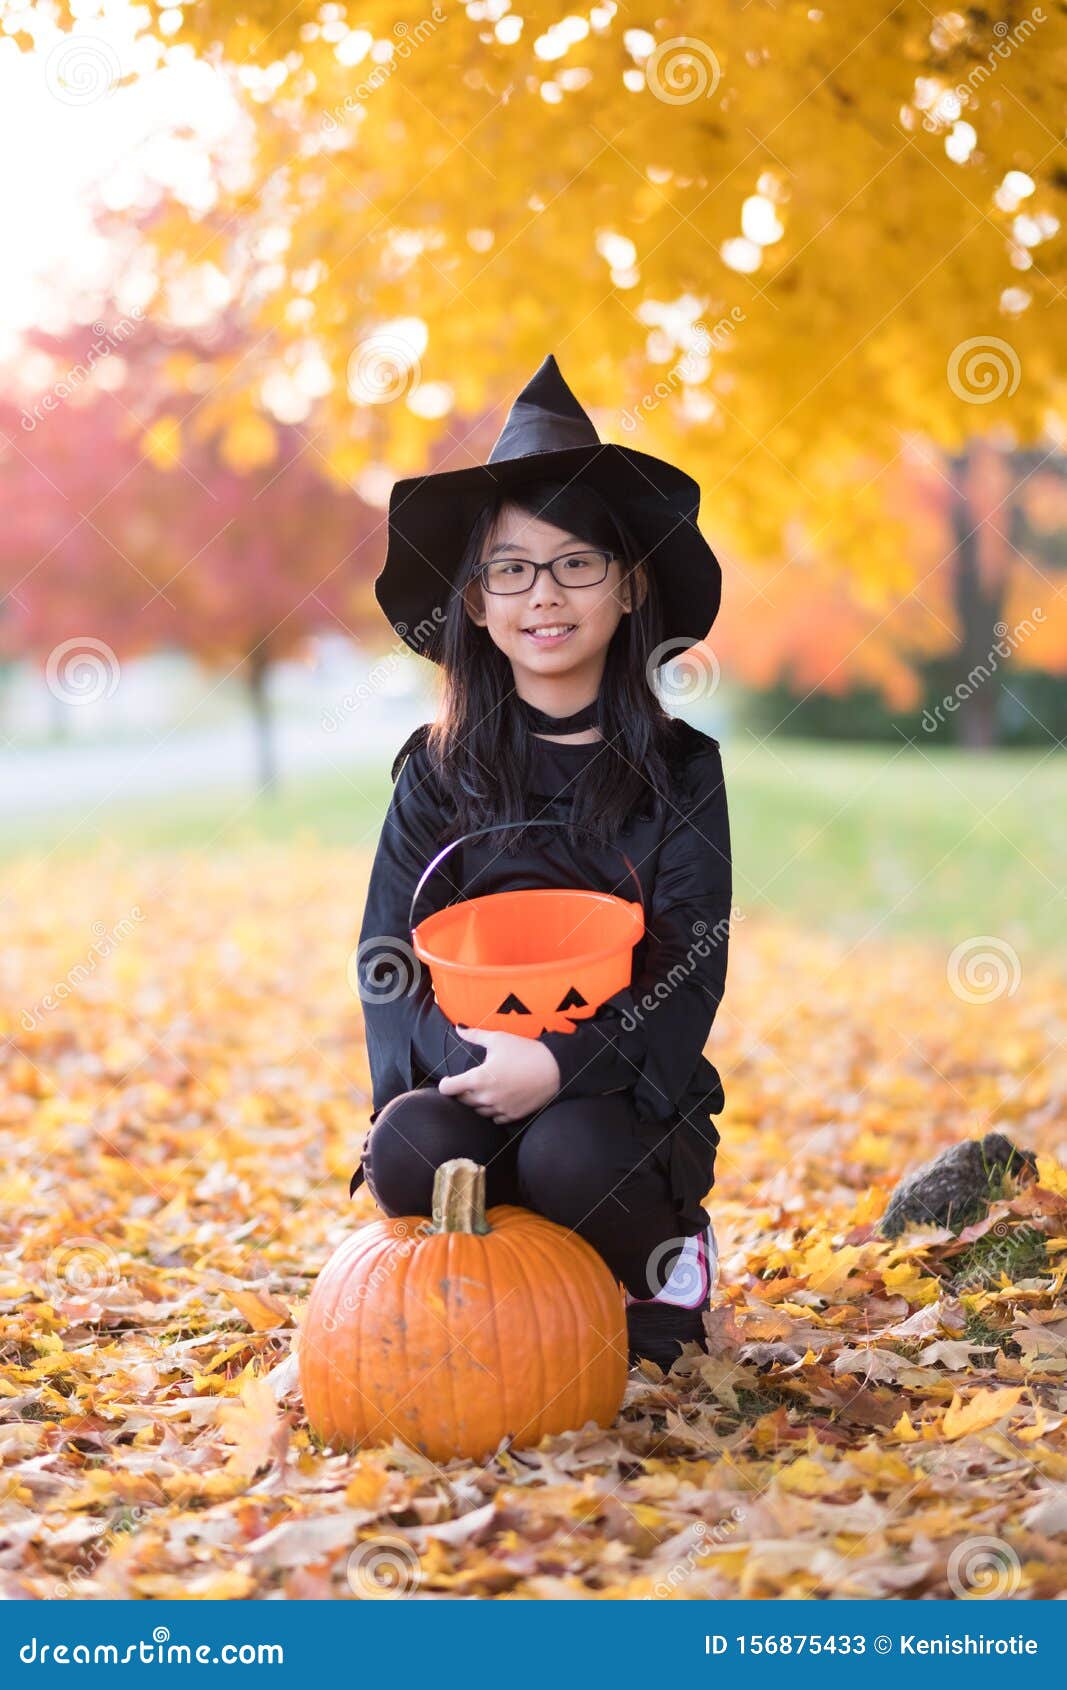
x: 586, y: 1163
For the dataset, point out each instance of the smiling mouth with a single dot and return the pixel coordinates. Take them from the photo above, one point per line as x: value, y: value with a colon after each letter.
x: 551, y: 631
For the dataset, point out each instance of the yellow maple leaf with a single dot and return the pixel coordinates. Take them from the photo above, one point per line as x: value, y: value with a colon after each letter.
x: 870, y: 1206
x: 984, y: 1409
x: 261, y: 1310
x: 1041, y: 1425
x: 252, y: 1424
x: 1052, y: 1175
x: 219, y: 1486
x: 366, y: 1487
x: 909, y: 1281
x: 807, y: 1477
x: 827, y: 1268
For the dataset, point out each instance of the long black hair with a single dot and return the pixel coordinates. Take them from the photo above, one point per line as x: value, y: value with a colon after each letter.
x: 479, y: 743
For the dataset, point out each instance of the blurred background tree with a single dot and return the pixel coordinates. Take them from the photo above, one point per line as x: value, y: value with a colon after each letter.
x: 231, y: 547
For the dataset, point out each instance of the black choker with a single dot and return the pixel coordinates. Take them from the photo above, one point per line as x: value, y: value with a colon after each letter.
x: 538, y: 721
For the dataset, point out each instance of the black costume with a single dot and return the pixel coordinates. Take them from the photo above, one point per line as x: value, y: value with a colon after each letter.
x: 625, y: 1151
x: 646, y: 1043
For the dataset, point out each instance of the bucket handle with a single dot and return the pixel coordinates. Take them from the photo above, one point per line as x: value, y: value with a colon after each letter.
x: 500, y: 827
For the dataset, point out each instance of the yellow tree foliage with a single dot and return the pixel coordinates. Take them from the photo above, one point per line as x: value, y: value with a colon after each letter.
x: 765, y: 240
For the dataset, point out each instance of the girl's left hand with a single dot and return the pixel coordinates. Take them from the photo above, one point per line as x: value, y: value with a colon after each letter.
x: 517, y: 1077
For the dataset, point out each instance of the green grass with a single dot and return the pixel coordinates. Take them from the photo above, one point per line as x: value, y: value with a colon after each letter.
x: 331, y: 808
x: 855, y: 839
x: 1020, y: 1253
x: 931, y: 844
x: 979, y: 1331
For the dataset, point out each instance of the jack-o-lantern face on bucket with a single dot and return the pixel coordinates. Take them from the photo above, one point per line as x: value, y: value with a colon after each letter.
x: 513, y: 1015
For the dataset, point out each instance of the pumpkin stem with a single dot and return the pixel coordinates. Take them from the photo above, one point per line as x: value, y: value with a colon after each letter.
x: 459, y: 1197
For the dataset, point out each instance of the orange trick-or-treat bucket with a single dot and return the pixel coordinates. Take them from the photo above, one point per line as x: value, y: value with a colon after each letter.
x: 527, y: 962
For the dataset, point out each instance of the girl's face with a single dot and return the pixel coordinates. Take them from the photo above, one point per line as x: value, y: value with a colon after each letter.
x: 575, y: 623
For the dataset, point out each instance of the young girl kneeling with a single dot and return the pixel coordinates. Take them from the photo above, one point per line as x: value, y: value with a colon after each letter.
x: 548, y: 602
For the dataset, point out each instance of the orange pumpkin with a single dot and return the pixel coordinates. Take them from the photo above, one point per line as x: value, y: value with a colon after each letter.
x: 456, y: 1332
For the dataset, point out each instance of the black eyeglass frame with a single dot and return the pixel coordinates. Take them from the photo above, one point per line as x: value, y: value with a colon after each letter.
x: 571, y: 586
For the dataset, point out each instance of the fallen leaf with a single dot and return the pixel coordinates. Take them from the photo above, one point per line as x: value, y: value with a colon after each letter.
x: 253, y: 1425
x: 984, y: 1409
x: 261, y: 1309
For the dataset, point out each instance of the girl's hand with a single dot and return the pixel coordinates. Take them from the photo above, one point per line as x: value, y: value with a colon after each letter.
x: 517, y: 1077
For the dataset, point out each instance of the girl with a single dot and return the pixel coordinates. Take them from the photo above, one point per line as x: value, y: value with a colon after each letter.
x: 548, y: 591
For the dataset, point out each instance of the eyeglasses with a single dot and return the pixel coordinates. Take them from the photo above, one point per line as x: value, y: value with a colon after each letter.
x: 586, y: 568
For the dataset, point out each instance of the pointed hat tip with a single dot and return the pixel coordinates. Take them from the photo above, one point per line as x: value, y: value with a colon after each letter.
x: 549, y: 362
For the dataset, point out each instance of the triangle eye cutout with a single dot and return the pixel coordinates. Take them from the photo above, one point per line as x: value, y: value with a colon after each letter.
x: 573, y: 1000
x: 512, y: 1006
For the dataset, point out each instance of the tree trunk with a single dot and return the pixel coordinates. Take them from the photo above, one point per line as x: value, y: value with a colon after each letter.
x: 978, y: 609
x: 257, y: 671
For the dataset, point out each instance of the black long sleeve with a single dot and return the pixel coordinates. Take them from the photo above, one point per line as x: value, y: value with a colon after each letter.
x: 651, y: 1036
x: 409, y: 1039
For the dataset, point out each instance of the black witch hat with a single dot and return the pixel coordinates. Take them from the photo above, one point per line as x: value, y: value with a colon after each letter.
x: 547, y: 435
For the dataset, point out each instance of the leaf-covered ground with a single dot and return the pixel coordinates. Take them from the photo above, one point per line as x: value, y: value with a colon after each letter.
x: 183, y: 1094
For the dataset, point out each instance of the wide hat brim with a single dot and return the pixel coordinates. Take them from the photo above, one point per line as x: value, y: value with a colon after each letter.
x: 431, y: 517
